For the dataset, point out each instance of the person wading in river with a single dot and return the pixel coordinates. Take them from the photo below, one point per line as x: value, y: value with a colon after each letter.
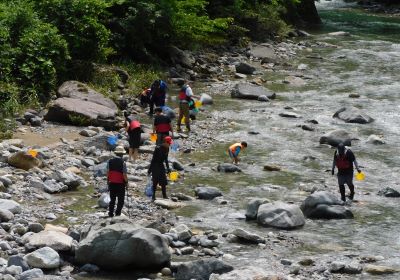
x: 234, y: 151
x: 343, y: 159
x: 162, y: 126
x: 117, y: 180
x: 157, y: 169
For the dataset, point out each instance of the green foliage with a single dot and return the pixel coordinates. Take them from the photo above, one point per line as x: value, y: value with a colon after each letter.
x: 140, y: 76
x: 79, y: 120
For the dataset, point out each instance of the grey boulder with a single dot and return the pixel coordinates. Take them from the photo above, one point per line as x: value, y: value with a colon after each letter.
x: 45, y: 258
x: 336, y: 137
x: 53, y: 239
x: 252, y: 207
x: 265, y: 53
x: 5, y: 215
x: 389, y: 192
x: 352, y: 115
x: 104, y: 200
x: 228, y: 168
x: 123, y: 245
x: 206, y: 99
x: 246, y: 236
x: 245, y: 68
x: 35, y: 273
x: 207, y: 193
x: 201, y: 269
x: 250, y: 91
x: 280, y: 215
x: 325, y: 205
x: 10, y: 205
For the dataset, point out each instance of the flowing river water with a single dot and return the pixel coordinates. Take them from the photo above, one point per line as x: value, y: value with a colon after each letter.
x: 366, y: 63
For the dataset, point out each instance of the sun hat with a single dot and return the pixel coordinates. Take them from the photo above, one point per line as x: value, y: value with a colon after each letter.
x: 168, y: 140
x: 120, y: 150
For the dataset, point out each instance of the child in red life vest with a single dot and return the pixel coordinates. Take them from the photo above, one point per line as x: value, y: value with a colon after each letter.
x: 343, y: 159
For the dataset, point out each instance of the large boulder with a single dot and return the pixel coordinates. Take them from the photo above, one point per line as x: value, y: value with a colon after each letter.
x: 80, y: 105
x: 228, y: 168
x: 23, y: 160
x: 252, y: 207
x: 48, y: 238
x: 10, y: 205
x: 352, y: 115
x: 207, y: 192
x: 250, y: 91
x: 245, y: 68
x: 336, y: 137
x: 201, y: 269
x: 44, y: 257
x: 325, y: 205
x: 280, y: 215
x: 123, y: 245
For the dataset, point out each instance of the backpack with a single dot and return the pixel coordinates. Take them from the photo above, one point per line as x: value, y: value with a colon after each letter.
x: 182, y: 93
x: 342, y: 162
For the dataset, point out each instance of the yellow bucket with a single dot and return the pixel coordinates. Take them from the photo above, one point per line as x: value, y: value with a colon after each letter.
x: 183, y: 120
x: 360, y: 176
x: 173, y: 176
x: 33, y: 153
x: 153, y: 137
x: 197, y: 104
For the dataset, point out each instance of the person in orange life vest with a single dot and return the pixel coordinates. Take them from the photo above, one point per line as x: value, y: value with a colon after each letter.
x: 157, y: 169
x: 162, y: 126
x: 117, y: 180
x: 185, y: 94
x: 134, y: 130
x: 343, y: 159
x: 234, y: 151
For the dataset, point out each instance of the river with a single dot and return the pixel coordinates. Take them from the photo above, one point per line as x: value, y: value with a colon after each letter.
x: 367, y: 63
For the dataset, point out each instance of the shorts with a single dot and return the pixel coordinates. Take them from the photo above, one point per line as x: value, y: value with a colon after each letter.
x: 134, y: 139
x: 160, y: 179
x: 231, y: 154
x: 345, y: 179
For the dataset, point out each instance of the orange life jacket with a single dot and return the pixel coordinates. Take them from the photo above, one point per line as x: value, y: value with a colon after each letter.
x: 233, y: 147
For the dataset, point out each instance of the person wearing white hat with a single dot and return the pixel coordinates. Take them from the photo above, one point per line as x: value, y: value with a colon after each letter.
x: 117, y: 179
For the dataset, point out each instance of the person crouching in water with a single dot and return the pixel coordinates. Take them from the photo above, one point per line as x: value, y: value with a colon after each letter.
x: 134, y: 130
x: 117, y: 180
x: 234, y: 151
x: 157, y: 169
x: 343, y: 159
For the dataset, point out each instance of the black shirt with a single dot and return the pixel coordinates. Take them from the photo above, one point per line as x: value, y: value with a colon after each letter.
x: 160, y: 156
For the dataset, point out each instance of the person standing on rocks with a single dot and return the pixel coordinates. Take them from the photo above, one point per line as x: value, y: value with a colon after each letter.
x: 185, y: 94
x: 162, y: 126
x: 234, y: 151
x: 157, y: 169
x: 158, y: 94
x: 117, y: 180
x: 343, y: 159
x: 134, y: 130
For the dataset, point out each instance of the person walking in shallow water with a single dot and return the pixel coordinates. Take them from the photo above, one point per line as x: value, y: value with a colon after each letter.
x: 343, y: 159
x: 234, y: 151
x: 117, y: 180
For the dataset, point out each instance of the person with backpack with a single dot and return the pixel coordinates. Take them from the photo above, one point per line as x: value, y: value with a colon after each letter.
x: 157, y: 169
x: 158, y: 94
x: 234, y: 151
x: 117, y: 180
x: 344, y: 159
x: 161, y: 126
x: 134, y: 130
x: 185, y: 94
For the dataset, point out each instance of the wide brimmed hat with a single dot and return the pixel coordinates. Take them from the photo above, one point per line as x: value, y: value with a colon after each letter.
x: 120, y: 150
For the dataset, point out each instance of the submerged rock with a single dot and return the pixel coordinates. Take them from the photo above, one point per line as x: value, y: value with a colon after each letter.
x: 280, y: 215
x: 352, y: 115
x: 228, y: 168
x: 201, y: 269
x: 375, y: 139
x: 250, y: 91
x: 207, y: 192
x: 389, y: 192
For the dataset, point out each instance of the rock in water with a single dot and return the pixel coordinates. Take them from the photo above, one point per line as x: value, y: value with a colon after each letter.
x: 353, y: 115
x: 123, y: 245
x: 325, y: 205
x: 252, y: 207
x: 228, y: 168
x: 206, y: 99
x: 201, y: 269
x: 207, y: 192
x: 389, y: 192
x: 280, y: 215
x: 250, y: 91
x: 335, y: 137
x: 23, y: 161
x: 248, y: 236
x: 375, y: 139
x: 44, y: 257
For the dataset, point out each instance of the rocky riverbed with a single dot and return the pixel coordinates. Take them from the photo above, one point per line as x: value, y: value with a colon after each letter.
x: 273, y: 217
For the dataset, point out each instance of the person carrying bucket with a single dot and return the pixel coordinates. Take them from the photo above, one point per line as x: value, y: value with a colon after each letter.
x: 161, y: 126
x: 117, y: 180
x: 234, y: 151
x: 185, y: 94
x: 157, y: 169
x: 343, y: 159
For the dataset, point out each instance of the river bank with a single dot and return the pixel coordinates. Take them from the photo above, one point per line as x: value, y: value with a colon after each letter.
x: 312, y: 79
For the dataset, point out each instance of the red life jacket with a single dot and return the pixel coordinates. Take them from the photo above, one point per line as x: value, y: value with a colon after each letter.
x: 182, y: 94
x: 116, y: 171
x: 342, y: 161
x: 133, y: 125
x: 163, y: 127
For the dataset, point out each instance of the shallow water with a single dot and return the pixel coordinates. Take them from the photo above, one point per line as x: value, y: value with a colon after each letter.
x: 366, y: 63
